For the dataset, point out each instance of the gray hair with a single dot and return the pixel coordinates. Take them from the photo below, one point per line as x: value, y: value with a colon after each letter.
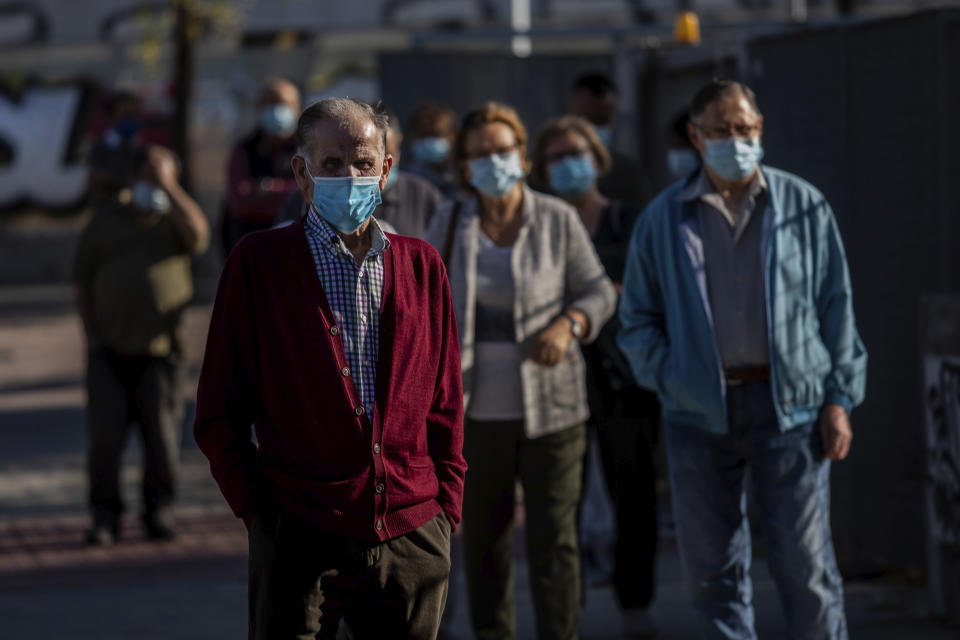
x: 721, y: 90
x: 340, y: 110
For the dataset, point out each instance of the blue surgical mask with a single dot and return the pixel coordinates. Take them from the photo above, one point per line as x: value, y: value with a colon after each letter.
x: 733, y: 158
x: 346, y: 202
x: 278, y: 120
x: 572, y: 175
x: 149, y: 197
x: 496, y: 174
x: 127, y: 128
x: 605, y: 133
x: 430, y: 150
x: 682, y: 162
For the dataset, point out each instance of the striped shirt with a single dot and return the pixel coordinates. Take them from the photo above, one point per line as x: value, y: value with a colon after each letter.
x: 354, y: 293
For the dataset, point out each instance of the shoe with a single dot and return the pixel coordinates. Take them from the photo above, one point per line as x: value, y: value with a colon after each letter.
x: 101, y: 534
x: 158, y: 527
x: 637, y: 623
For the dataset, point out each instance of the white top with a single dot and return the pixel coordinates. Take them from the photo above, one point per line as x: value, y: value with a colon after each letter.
x: 497, y: 392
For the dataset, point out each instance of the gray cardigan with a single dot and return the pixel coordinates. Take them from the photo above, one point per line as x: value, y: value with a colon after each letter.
x: 555, y: 268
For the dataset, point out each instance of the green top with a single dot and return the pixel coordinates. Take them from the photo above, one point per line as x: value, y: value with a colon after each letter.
x: 135, y: 272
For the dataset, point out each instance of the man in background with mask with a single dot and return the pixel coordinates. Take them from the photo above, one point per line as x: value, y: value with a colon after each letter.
x: 259, y: 177
x: 409, y: 201
x: 338, y: 343
x: 594, y: 98
x: 432, y: 129
x: 111, y: 158
x: 682, y: 157
x: 132, y: 277
x: 737, y: 310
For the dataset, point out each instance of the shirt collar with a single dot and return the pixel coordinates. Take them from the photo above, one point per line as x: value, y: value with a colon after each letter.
x: 331, y: 240
x: 701, y: 186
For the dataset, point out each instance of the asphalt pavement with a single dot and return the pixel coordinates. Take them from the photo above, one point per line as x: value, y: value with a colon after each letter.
x: 195, y: 586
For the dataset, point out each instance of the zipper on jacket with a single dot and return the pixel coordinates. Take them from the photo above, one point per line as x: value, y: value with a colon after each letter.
x: 768, y: 275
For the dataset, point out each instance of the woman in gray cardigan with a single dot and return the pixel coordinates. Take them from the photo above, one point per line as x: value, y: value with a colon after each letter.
x: 528, y: 288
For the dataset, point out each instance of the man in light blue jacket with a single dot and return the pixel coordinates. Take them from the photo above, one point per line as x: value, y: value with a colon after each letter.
x: 737, y: 310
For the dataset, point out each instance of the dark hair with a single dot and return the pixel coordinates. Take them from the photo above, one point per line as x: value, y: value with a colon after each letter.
x: 679, y: 127
x: 121, y: 97
x: 721, y: 90
x: 489, y: 112
x: 596, y: 82
x: 340, y: 109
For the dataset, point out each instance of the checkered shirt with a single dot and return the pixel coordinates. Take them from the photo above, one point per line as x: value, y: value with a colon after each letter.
x: 354, y: 293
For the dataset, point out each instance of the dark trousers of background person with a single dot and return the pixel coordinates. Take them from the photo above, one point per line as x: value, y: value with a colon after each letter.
x: 550, y: 469
x: 627, y: 450
x: 303, y: 581
x: 627, y: 420
x: 121, y: 389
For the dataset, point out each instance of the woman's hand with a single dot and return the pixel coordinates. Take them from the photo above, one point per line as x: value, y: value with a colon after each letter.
x: 551, y: 344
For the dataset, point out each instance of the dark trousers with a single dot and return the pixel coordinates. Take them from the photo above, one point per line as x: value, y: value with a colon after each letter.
x: 627, y: 452
x: 122, y: 389
x: 303, y: 582
x: 550, y: 469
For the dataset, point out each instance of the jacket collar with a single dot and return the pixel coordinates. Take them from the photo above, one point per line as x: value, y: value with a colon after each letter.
x: 699, y: 185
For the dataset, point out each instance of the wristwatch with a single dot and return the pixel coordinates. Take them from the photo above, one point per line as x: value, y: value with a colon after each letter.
x: 576, y: 328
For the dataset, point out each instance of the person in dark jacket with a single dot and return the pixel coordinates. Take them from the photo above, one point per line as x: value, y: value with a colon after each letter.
x: 593, y: 97
x: 132, y: 277
x: 259, y: 177
x: 338, y: 343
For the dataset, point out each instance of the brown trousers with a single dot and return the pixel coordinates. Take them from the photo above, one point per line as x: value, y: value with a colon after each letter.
x: 304, y: 582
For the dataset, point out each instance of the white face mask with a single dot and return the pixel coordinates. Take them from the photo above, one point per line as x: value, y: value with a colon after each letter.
x: 149, y: 197
x: 496, y: 174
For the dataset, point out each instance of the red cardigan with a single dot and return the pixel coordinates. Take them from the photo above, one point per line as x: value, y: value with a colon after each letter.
x: 275, y: 359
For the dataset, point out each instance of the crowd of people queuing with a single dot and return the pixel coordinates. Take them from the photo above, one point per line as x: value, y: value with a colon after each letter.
x: 434, y: 324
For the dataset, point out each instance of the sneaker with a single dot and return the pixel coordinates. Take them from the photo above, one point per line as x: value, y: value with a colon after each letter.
x: 101, y: 534
x: 637, y: 623
x: 158, y: 527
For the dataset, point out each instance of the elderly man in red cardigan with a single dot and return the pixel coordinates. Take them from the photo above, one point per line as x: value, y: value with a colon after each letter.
x: 338, y: 343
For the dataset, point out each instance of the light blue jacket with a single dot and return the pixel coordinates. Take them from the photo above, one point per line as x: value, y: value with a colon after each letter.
x: 816, y: 355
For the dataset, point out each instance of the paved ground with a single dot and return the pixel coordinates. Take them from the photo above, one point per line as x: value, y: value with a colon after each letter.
x: 195, y: 586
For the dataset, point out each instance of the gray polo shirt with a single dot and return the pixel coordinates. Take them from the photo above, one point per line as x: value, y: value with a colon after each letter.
x: 733, y: 260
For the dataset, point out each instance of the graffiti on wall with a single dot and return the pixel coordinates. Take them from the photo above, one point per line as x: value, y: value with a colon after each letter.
x: 41, y: 132
x: 942, y: 384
